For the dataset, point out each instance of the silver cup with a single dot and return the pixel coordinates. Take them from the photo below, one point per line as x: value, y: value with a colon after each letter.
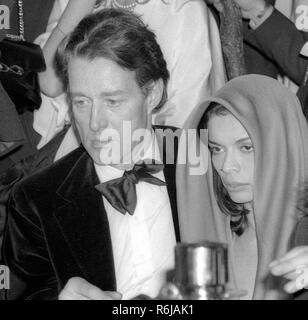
x: 201, y: 270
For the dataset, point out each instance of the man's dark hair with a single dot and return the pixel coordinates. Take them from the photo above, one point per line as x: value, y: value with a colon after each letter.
x: 122, y: 37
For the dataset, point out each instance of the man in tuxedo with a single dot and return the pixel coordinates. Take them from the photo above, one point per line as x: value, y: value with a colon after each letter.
x: 100, y: 223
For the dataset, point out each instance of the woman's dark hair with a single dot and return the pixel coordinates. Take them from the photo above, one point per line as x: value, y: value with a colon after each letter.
x: 120, y: 36
x: 237, y: 211
x: 302, y: 200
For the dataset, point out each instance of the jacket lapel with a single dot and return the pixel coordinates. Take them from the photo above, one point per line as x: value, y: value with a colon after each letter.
x: 83, y: 221
x: 169, y: 172
x: 169, y: 155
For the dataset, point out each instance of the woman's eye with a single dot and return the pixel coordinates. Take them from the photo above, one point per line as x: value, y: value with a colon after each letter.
x: 215, y: 149
x: 247, y: 148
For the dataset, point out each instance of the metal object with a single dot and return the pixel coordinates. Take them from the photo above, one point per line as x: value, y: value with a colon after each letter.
x: 201, y: 273
x: 21, y: 23
x: 201, y: 270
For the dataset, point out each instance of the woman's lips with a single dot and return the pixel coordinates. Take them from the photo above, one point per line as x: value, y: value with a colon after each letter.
x: 236, y: 186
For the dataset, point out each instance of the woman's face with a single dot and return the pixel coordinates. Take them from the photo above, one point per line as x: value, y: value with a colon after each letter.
x: 232, y: 156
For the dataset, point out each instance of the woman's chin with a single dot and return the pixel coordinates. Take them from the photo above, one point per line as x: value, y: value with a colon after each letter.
x: 241, y: 197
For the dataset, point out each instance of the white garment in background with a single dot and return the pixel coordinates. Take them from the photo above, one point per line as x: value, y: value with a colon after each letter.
x: 143, y: 244
x: 189, y: 38
x: 53, y: 114
x: 285, y: 7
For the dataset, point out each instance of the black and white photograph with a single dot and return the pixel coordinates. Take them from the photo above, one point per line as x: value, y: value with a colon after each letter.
x: 154, y: 153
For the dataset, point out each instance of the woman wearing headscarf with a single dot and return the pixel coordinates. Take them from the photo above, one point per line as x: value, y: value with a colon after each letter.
x: 257, y: 167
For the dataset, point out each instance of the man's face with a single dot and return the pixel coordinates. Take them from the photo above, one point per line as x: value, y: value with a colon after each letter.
x: 104, y: 95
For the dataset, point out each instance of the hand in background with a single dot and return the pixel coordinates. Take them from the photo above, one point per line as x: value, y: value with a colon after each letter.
x: 79, y: 289
x: 294, y: 267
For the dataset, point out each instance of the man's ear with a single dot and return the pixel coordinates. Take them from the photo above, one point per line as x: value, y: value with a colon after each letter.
x: 155, y: 91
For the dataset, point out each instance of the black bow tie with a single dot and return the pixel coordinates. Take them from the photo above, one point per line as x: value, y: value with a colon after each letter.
x: 121, y: 192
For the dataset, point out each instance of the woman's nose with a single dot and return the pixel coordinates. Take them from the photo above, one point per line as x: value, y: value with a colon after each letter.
x: 230, y: 163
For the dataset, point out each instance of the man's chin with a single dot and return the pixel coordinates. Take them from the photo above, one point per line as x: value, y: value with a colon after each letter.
x: 104, y: 157
x: 106, y: 160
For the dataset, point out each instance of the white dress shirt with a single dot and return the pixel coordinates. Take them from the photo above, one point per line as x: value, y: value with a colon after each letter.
x: 143, y: 244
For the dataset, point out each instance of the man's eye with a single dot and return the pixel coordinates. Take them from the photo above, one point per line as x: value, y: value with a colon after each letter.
x: 113, y: 103
x: 81, y: 103
x: 247, y: 148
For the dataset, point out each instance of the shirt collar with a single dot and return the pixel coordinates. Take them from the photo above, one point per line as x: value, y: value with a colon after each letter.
x: 106, y: 173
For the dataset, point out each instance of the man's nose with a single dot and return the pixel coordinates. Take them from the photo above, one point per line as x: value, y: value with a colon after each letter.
x: 98, y: 118
x: 230, y: 163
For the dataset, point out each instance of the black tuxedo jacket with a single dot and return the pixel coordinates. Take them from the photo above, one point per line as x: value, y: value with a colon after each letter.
x: 58, y: 228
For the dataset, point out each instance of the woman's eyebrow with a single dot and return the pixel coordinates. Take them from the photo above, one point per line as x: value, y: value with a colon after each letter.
x: 246, y: 139
x: 212, y: 142
x: 243, y: 140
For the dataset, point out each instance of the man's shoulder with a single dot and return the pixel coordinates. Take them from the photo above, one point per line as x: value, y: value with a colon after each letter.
x: 52, y: 176
x: 167, y: 138
x: 168, y: 132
